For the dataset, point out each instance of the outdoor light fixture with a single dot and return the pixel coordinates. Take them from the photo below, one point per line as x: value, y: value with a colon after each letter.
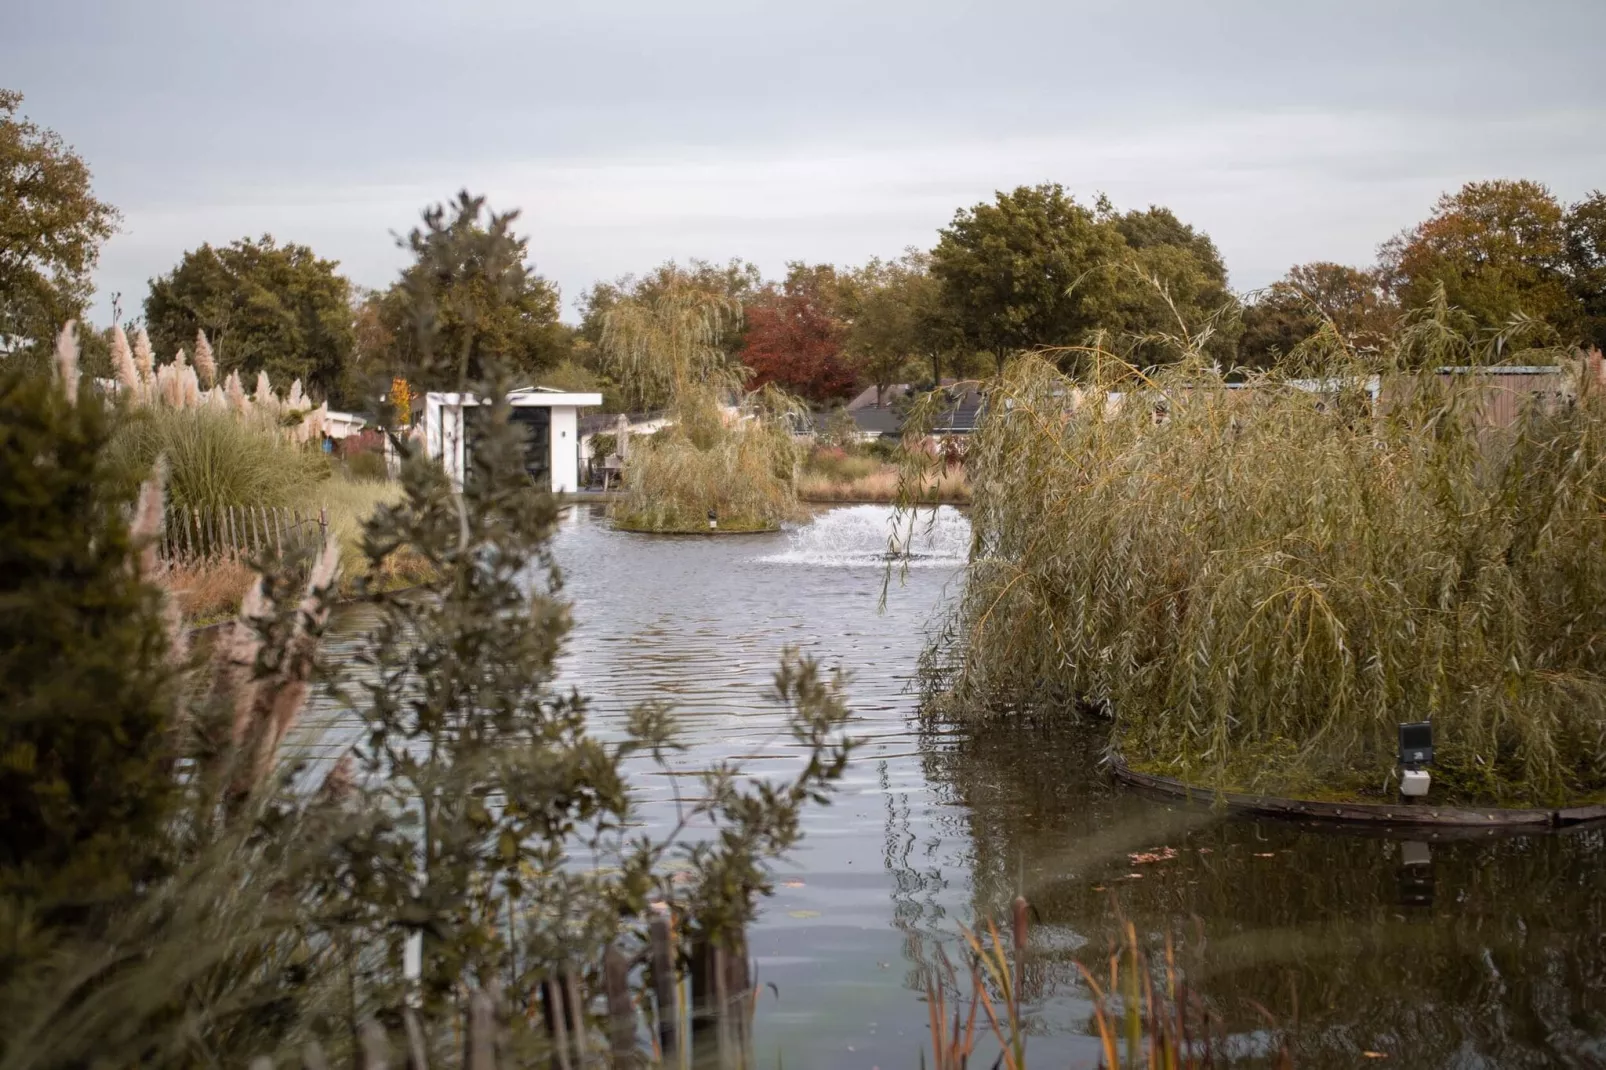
x: 713, y: 520
x: 1416, y: 750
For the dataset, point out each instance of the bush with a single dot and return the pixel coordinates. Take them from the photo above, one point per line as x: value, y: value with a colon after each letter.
x: 1238, y: 574
x: 214, y: 457
x: 367, y: 466
x: 85, y: 788
x: 743, y: 470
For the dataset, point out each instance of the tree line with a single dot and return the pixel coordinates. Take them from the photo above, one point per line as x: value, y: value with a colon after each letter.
x: 1034, y: 268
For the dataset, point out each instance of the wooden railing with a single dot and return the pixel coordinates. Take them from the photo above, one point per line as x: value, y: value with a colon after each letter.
x: 241, y: 531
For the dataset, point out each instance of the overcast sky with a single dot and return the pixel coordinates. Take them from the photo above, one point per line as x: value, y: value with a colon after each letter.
x: 631, y: 132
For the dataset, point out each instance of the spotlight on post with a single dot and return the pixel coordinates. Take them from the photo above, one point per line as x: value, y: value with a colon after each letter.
x: 1416, y: 750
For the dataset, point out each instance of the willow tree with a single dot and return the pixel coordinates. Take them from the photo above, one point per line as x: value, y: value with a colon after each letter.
x: 667, y: 348
x: 726, y: 458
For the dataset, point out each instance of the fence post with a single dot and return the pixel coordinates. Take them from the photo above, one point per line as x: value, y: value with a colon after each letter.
x: 663, y: 981
x: 481, y: 1048
x: 375, y: 1048
x: 621, y: 1011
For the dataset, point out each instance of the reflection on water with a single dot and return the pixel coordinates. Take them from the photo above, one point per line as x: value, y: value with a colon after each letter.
x: 1446, y: 953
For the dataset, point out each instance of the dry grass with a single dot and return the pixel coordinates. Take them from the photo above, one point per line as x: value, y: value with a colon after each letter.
x: 881, y: 485
x: 209, y: 591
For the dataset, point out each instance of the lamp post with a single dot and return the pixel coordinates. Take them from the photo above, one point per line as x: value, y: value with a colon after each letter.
x: 1416, y: 751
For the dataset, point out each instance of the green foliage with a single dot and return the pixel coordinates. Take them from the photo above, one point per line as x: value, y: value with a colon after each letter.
x: 473, y: 291
x: 898, y: 318
x: 1221, y: 575
x: 666, y: 347
x: 85, y: 785
x: 576, y: 378
x: 1497, y: 249
x: 214, y: 457
x: 367, y: 466
x: 1586, y: 264
x: 51, y: 230
x: 264, y: 307
x: 1036, y: 269
x: 736, y: 281
x: 1028, y: 270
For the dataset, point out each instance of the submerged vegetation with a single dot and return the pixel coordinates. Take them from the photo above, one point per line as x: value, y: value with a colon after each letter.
x: 1250, y: 583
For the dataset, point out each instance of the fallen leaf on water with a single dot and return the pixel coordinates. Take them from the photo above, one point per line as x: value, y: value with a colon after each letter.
x: 1204, y: 850
x: 1098, y: 887
x: 1265, y: 854
x: 1161, y: 854
x: 1374, y: 1055
x: 791, y: 884
x: 1134, y: 876
x: 802, y: 913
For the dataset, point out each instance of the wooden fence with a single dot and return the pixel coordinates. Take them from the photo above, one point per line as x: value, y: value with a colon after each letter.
x: 241, y: 531
x: 713, y: 1033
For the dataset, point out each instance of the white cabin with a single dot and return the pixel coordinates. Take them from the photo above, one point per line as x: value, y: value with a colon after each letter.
x: 551, y: 416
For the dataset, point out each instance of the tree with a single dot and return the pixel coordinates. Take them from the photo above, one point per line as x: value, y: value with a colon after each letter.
x: 265, y: 307
x: 1498, y: 248
x: 472, y: 282
x: 1586, y: 264
x: 1293, y: 308
x: 1028, y: 270
x: 795, y: 335
x: 897, y: 318
x: 51, y: 230
x: 663, y: 348
x: 1172, y: 290
x: 736, y: 281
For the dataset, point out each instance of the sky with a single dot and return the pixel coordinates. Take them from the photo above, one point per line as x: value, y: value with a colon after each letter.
x: 631, y: 132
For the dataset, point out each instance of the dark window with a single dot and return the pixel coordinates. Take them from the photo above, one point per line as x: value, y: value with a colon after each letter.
x: 535, y: 421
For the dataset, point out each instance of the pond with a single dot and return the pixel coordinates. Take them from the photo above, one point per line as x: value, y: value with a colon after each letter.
x: 1362, y: 948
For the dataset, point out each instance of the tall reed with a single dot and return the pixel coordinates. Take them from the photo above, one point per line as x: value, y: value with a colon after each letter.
x: 1250, y: 584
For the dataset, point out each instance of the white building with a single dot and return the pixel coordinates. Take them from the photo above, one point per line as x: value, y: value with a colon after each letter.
x: 552, y: 418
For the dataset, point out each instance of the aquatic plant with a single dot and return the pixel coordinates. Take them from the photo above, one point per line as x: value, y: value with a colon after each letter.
x: 1248, y: 582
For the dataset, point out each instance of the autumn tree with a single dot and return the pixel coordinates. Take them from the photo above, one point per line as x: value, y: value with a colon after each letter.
x: 472, y: 281
x: 1498, y: 249
x: 1293, y: 308
x: 265, y: 307
x: 1586, y: 264
x: 51, y: 230
x: 795, y: 335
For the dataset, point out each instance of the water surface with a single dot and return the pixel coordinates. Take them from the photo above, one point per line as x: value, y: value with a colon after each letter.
x: 1464, y: 953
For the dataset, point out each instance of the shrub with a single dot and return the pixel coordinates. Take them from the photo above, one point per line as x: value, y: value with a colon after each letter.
x: 367, y: 466
x: 740, y: 466
x: 85, y: 789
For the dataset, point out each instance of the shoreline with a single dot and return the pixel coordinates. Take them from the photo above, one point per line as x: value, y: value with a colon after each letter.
x: 1409, y: 815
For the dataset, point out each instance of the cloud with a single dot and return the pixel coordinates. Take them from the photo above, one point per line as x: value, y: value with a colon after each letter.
x: 1273, y: 188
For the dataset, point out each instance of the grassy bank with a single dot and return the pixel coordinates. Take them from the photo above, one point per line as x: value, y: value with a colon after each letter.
x: 1250, y: 588
x: 833, y: 474
x: 209, y: 591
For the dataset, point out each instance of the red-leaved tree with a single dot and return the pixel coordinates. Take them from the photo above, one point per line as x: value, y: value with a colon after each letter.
x: 794, y: 340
